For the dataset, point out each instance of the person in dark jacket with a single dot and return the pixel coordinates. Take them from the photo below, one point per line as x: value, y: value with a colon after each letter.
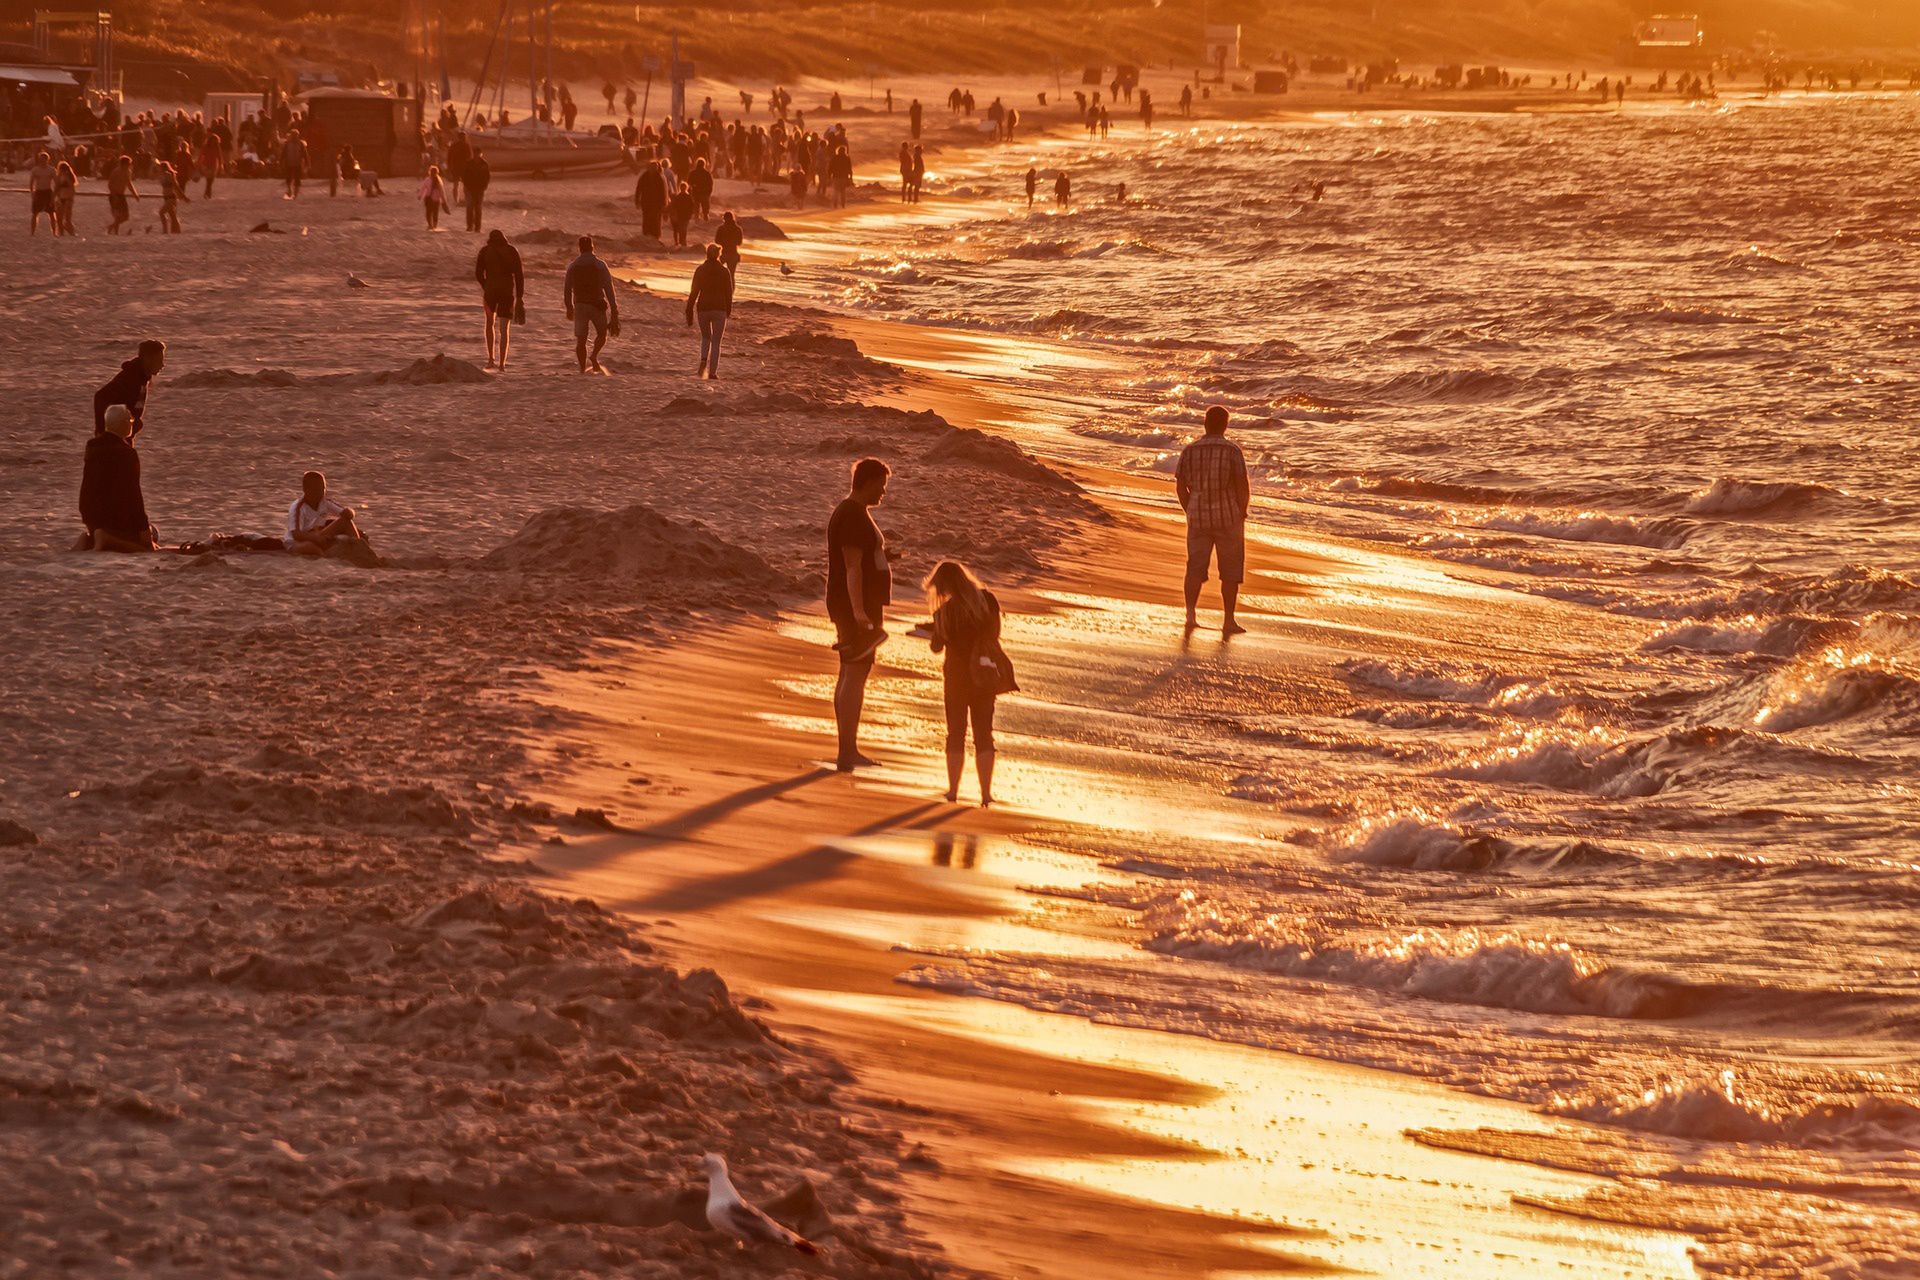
x: 476, y: 177
x: 680, y: 214
x: 730, y: 235
x: 111, y: 505
x: 966, y: 628
x: 503, y: 289
x: 700, y: 183
x: 129, y: 387
x: 650, y: 196
x: 710, y: 299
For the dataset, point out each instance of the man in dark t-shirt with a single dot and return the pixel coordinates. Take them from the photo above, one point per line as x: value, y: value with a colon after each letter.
x: 859, y: 586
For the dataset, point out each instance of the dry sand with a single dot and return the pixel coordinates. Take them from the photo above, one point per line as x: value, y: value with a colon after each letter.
x: 287, y: 998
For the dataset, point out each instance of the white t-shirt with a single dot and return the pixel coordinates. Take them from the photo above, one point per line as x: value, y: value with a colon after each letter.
x: 302, y: 518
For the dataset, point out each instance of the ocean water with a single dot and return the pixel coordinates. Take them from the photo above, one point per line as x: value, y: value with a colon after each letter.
x: 1664, y: 363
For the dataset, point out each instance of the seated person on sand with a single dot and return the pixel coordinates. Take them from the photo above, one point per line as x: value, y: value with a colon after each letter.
x: 111, y: 504
x: 316, y: 524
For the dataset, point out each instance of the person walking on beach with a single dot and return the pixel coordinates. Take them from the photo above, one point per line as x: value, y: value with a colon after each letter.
x: 503, y: 287
x: 293, y: 154
x: 1063, y: 191
x: 680, y: 214
x: 66, y: 184
x: 129, y: 387
x: 433, y: 196
x: 458, y: 153
x: 589, y: 299
x: 119, y: 189
x: 859, y: 585
x: 906, y: 171
x: 650, y: 197
x: 919, y: 171
x: 974, y: 672
x: 730, y: 235
x: 1211, y: 481
x: 1033, y: 185
x: 476, y: 177
x: 700, y: 183
x: 711, y: 300
x: 171, y: 194
x: 40, y: 194
x: 914, y: 113
x: 111, y: 504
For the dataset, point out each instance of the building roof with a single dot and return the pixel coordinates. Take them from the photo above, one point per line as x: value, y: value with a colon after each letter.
x: 19, y: 74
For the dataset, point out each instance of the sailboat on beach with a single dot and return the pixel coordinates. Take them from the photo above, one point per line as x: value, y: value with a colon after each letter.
x: 535, y: 143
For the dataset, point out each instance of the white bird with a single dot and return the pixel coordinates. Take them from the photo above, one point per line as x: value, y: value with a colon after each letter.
x: 727, y: 1212
x: 355, y: 282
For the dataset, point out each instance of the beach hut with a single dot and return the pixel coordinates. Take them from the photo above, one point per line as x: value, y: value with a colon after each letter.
x: 384, y: 131
x: 1223, y: 48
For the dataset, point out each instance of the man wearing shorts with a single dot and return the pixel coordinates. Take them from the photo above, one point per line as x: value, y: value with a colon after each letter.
x: 1212, y: 483
x: 590, y: 304
x: 502, y: 292
x: 119, y: 188
x: 859, y: 585
x: 40, y: 187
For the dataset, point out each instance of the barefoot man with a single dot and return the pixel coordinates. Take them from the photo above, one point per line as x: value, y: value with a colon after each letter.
x: 590, y: 304
x: 859, y: 584
x: 503, y: 287
x: 1212, y: 482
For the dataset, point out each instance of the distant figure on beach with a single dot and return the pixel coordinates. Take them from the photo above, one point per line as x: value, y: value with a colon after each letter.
x: 591, y: 304
x: 914, y: 113
x: 1063, y: 191
x: 476, y: 177
x: 711, y: 300
x: 129, y: 387
x: 859, y: 585
x: 66, y: 185
x: 700, y: 183
x: 458, y: 153
x: 111, y: 504
x: 906, y: 171
x: 974, y: 672
x: 316, y: 524
x: 1033, y: 185
x: 1186, y: 100
x: 40, y: 194
x: 120, y: 189
x: 730, y: 235
x: 680, y: 214
x: 294, y: 156
x: 1211, y: 481
x: 650, y: 197
x: 840, y: 174
x: 433, y: 196
x: 172, y: 192
x: 919, y: 170
x: 503, y: 287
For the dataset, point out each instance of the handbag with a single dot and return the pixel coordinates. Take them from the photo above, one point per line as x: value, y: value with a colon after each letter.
x: 992, y: 671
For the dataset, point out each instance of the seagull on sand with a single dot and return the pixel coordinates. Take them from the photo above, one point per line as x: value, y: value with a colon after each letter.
x: 355, y: 282
x: 785, y: 270
x: 727, y: 1212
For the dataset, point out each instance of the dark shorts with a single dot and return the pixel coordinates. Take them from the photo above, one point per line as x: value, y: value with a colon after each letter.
x: 584, y: 316
x: 42, y: 202
x: 121, y: 211
x: 500, y: 301
x: 847, y: 641
x: 1228, y: 547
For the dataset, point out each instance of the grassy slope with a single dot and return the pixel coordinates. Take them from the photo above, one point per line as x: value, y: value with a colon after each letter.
x: 758, y: 42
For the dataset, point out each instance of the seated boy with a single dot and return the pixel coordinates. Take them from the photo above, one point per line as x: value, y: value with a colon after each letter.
x: 316, y: 524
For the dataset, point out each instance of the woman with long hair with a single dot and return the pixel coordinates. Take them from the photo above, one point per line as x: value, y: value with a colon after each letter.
x: 975, y: 671
x: 433, y: 196
x: 65, y: 184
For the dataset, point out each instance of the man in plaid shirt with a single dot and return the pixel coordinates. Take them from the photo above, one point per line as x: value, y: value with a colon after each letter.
x: 1213, y: 488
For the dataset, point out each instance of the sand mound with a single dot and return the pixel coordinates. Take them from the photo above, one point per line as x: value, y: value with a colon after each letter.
x: 758, y: 228
x: 13, y: 835
x: 545, y: 235
x: 249, y: 800
x: 971, y: 448
x: 817, y: 343
x: 686, y: 407
x: 434, y: 371
x: 635, y: 546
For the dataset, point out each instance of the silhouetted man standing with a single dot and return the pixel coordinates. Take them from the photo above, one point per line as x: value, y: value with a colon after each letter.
x: 476, y: 178
x: 1212, y: 483
x: 859, y: 585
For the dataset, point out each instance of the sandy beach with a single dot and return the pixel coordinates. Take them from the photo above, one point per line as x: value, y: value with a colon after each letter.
x: 434, y: 918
